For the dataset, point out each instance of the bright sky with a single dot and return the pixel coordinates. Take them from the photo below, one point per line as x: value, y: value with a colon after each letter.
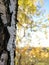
x: 40, y: 38
x: 46, y: 5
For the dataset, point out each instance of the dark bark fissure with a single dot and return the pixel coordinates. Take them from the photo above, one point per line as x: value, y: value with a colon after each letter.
x: 4, y: 37
x: 4, y: 30
x: 16, y: 11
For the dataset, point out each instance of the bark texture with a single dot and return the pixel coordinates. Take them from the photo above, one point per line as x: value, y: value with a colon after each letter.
x: 7, y: 13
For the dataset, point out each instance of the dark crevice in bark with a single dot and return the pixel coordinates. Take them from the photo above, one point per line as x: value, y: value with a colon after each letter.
x: 16, y: 11
x: 5, y: 30
x: 3, y: 42
x: 16, y: 21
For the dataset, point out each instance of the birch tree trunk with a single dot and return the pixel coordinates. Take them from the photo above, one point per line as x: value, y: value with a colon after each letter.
x: 9, y: 18
x: 12, y: 29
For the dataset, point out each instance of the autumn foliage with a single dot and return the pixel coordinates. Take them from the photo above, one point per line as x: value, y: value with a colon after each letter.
x: 26, y: 53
